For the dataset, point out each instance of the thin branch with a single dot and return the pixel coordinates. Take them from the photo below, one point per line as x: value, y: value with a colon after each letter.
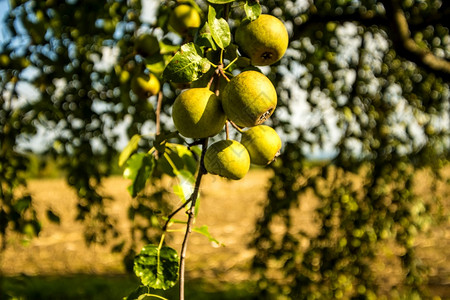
x: 158, y: 113
x: 227, y: 130
x: 158, y: 118
x: 169, y: 218
x: 191, y: 216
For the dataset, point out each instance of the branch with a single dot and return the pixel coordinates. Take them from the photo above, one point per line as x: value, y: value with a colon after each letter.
x: 191, y: 216
x: 407, y: 47
x: 398, y: 31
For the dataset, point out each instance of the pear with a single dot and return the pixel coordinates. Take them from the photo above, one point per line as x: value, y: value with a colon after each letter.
x: 263, y: 40
x: 197, y: 113
x: 147, y: 45
x: 184, y: 17
x: 249, y: 99
x: 227, y: 158
x: 263, y: 144
x: 144, y: 85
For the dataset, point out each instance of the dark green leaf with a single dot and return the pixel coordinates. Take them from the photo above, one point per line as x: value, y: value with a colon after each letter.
x: 141, y: 293
x: 252, y: 9
x: 22, y: 204
x: 139, y: 168
x: 220, y: 30
x: 53, y: 217
x: 130, y: 148
x: 187, y: 65
x: 157, y: 268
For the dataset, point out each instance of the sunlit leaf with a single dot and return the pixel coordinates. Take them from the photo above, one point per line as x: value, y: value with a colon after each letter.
x: 204, y: 230
x: 157, y: 268
x: 129, y: 149
x: 220, y: 30
x: 187, y: 65
x: 252, y: 9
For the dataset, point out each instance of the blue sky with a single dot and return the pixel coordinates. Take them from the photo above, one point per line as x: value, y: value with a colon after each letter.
x: 4, y: 7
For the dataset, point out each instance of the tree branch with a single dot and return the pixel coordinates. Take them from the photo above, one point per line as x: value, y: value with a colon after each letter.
x: 191, y: 216
x: 407, y: 47
x: 394, y: 22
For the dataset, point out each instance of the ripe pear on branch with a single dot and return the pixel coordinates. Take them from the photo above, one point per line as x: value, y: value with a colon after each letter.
x: 183, y: 18
x: 145, y: 85
x: 249, y: 99
x: 227, y: 158
x: 197, y: 113
x: 263, y: 144
x: 147, y: 45
x: 263, y: 40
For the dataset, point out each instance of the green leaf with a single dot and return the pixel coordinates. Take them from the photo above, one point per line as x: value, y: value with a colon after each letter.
x: 252, y: 9
x: 186, y: 186
x: 155, y: 63
x: 168, y: 48
x: 205, y: 231
x: 141, y: 293
x: 157, y: 268
x: 220, y: 1
x: 139, y: 168
x: 220, y: 30
x: 204, y: 37
x: 53, y: 217
x: 130, y: 148
x: 187, y: 65
x: 22, y: 204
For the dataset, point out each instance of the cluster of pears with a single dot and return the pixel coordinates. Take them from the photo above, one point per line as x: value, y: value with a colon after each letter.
x: 247, y: 100
x: 182, y: 18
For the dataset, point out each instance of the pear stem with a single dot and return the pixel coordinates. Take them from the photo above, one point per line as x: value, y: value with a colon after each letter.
x: 231, y: 63
x: 227, y: 131
x: 236, y: 127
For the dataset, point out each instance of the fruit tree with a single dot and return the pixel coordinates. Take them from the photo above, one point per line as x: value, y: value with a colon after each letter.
x: 217, y: 86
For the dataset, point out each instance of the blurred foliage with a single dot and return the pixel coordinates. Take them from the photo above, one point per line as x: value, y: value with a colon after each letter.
x: 387, y: 93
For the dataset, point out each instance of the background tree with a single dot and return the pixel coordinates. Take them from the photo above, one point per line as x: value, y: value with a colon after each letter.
x: 367, y: 81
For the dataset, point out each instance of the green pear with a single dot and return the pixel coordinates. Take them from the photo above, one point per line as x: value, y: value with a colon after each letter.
x: 263, y: 40
x: 227, y: 158
x: 249, y: 99
x: 197, y: 113
x: 144, y: 85
x: 263, y: 144
x: 4, y: 60
x: 146, y: 45
x: 184, y: 17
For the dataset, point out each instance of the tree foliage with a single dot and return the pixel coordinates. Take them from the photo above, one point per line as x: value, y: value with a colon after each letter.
x: 365, y: 80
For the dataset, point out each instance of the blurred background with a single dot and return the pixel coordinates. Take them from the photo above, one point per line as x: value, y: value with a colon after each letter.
x: 355, y: 207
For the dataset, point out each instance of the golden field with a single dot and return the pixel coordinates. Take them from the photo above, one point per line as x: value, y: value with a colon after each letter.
x: 228, y: 208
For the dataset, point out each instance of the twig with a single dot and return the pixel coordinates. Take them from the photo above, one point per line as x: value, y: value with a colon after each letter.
x: 227, y: 130
x: 169, y: 218
x: 191, y: 217
x: 158, y: 117
x: 158, y: 113
x: 235, y: 126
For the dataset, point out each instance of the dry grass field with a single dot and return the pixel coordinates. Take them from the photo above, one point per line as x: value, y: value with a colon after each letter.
x: 229, y: 208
